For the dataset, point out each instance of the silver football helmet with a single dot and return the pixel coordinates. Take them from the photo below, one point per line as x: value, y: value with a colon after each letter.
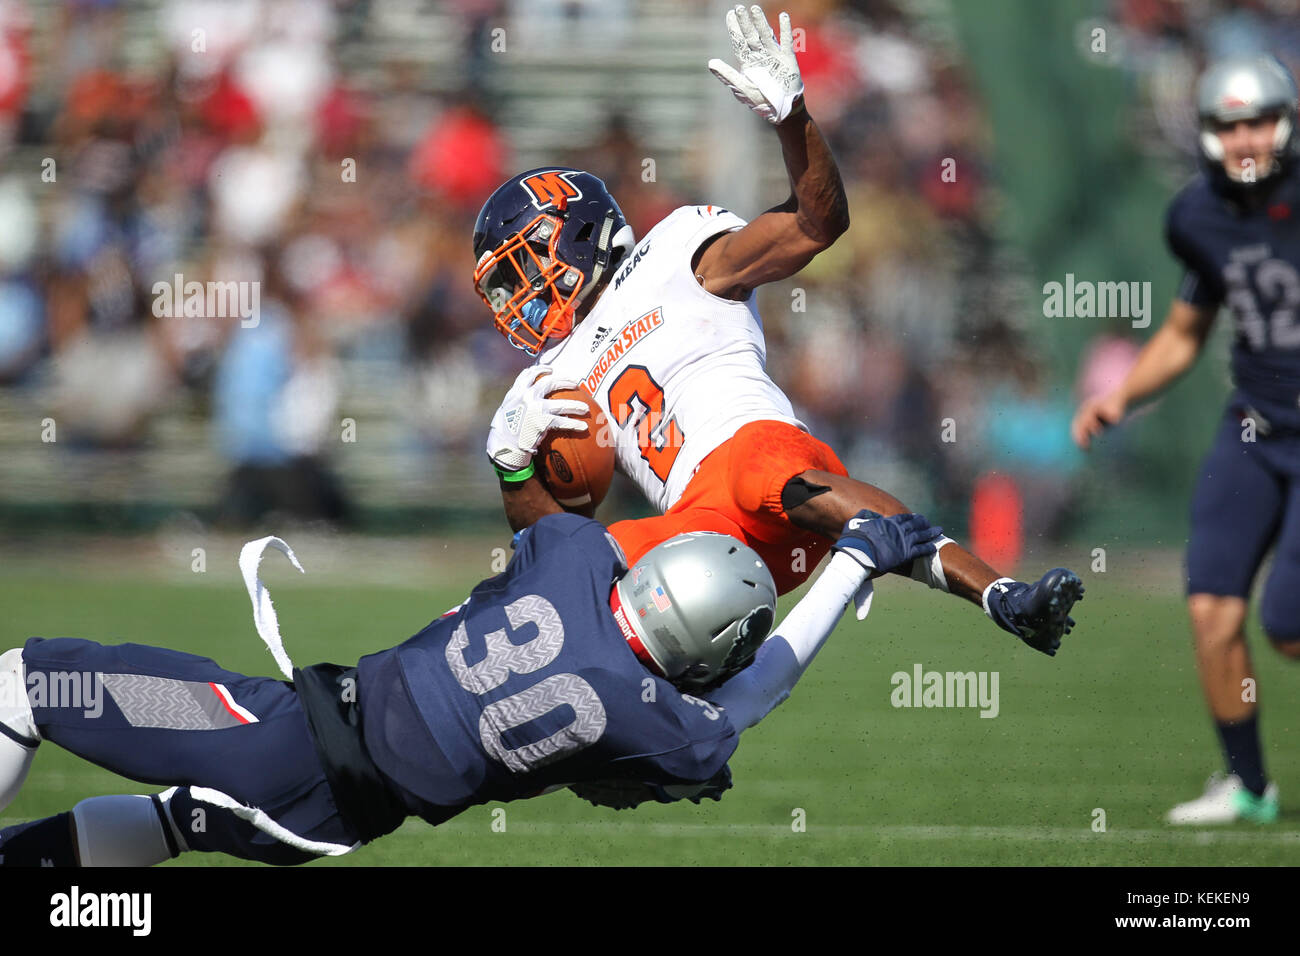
x: 696, y: 608
x: 1245, y: 88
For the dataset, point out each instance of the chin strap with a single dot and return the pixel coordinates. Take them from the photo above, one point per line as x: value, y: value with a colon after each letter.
x: 601, y: 259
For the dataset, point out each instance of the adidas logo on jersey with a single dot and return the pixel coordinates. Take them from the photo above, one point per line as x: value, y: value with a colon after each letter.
x: 628, y: 336
x: 601, y: 332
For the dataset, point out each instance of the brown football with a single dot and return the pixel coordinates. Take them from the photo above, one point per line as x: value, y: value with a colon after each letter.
x: 578, y: 467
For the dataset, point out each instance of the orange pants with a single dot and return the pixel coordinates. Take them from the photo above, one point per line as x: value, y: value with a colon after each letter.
x: 736, y: 490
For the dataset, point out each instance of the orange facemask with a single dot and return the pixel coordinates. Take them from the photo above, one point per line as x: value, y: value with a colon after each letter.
x: 532, y: 294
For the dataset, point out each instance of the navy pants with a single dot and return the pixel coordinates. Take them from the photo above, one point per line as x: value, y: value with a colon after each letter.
x: 1247, y: 500
x: 172, y: 719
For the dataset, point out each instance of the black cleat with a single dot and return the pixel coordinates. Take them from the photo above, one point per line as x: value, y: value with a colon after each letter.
x: 1039, y: 614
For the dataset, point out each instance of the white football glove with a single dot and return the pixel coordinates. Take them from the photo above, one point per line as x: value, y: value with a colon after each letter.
x: 526, y: 415
x: 768, y: 81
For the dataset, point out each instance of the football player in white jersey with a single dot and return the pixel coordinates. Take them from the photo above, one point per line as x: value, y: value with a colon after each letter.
x: 666, y: 337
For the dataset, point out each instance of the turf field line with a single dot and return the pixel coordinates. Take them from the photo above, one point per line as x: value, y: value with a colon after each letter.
x: 909, y: 831
x: 1159, y: 835
x: 898, y: 831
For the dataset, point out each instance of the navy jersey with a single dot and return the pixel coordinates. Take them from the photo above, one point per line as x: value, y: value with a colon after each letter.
x: 1246, y: 255
x: 531, y: 684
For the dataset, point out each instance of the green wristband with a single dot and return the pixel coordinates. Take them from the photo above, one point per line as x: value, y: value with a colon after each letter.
x: 523, y: 474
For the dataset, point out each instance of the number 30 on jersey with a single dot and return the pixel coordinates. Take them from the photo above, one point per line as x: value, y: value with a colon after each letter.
x: 503, y: 659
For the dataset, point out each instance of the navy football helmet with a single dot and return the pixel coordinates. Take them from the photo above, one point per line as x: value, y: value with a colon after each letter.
x: 543, y: 243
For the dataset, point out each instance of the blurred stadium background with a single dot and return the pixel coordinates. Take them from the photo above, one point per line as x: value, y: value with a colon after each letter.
x: 229, y: 163
x: 135, y: 148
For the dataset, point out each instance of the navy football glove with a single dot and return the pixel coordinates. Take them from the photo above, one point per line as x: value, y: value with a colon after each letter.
x: 888, y: 544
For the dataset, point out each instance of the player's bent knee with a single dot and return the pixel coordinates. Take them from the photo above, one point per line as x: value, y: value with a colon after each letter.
x: 120, y: 831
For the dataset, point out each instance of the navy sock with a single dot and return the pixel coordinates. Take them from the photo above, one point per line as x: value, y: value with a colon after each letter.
x: 45, y: 842
x: 1240, y: 741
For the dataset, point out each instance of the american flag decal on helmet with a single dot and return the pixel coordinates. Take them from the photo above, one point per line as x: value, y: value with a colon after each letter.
x: 660, y: 599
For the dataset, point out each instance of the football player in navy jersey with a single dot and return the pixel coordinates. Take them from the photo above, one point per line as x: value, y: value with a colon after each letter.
x: 567, y: 669
x: 1234, y: 229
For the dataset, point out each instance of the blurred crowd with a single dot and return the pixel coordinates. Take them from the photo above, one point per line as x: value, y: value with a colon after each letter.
x: 245, y: 151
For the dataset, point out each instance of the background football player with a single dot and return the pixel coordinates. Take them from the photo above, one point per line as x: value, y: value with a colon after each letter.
x: 666, y: 337
x: 565, y: 669
x: 1234, y: 230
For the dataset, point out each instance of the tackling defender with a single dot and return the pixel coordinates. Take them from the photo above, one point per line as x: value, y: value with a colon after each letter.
x: 567, y: 669
x: 666, y: 337
x: 1234, y: 230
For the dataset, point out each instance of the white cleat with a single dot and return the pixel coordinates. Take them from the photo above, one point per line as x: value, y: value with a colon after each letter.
x: 1226, y: 800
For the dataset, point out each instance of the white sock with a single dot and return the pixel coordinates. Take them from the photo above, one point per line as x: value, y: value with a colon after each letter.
x: 1000, y: 584
x: 119, y: 831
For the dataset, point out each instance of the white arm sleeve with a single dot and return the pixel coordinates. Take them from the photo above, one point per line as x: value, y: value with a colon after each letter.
x: 780, y: 662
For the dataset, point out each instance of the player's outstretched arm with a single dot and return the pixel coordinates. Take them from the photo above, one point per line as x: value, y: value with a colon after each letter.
x: 781, y: 241
x: 869, y: 545
x: 1162, y: 361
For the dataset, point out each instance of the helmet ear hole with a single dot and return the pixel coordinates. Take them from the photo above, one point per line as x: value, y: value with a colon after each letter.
x: 585, y: 232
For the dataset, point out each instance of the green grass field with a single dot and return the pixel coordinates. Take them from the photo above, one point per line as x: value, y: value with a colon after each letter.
x: 1114, y: 722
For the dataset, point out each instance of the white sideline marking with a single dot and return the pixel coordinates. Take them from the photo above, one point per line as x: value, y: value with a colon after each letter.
x: 887, y: 831
x: 915, y: 832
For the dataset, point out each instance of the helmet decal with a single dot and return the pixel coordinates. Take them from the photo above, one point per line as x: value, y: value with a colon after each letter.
x: 551, y: 188
x: 545, y: 241
x: 753, y: 631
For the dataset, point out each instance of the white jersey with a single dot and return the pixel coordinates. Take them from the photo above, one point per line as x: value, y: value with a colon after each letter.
x: 676, y: 369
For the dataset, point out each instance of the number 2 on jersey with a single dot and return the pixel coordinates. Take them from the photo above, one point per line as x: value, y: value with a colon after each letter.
x: 636, y: 393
